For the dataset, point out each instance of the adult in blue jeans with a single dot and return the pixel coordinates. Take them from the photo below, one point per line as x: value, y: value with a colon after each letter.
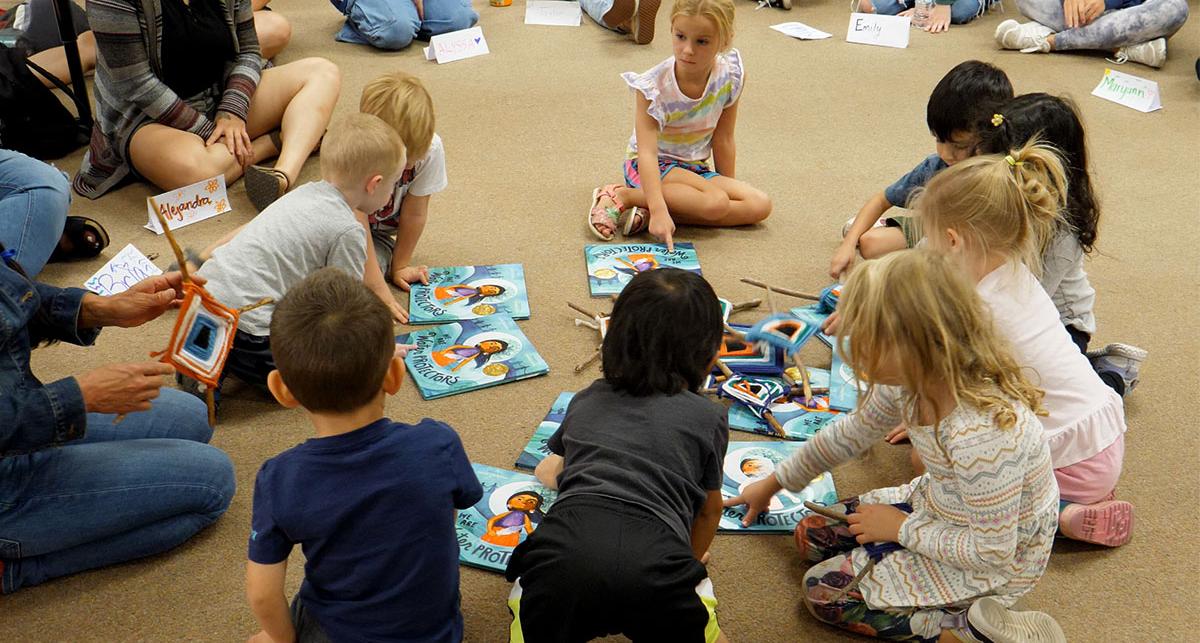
x: 393, y: 24
x: 33, y: 215
x: 80, y: 488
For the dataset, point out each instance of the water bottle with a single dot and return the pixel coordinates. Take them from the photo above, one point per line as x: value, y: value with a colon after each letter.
x: 922, y: 9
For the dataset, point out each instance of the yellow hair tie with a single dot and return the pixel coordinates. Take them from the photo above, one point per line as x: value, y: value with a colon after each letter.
x: 997, y: 120
x: 1012, y: 161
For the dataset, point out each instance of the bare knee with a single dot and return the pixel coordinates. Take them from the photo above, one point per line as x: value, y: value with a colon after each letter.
x: 715, y: 205
x: 760, y: 206
x: 274, y: 32
x: 877, y: 242
x: 322, y: 71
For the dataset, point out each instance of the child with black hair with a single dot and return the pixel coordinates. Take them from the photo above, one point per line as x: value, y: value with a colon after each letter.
x: 965, y: 94
x: 637, y: 463
x: 1056, y: 122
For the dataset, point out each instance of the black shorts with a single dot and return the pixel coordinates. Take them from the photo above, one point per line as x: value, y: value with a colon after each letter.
x: 596, y: 567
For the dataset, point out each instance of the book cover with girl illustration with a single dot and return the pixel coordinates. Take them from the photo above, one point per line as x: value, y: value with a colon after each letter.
x: 536, y: 450
x: 458, y: 293
x: 611, y: 266
x: 467, y: 355
x: 799, y: 422
x: 746, y: 462
x: 512, y: 506
x: 843, y: 384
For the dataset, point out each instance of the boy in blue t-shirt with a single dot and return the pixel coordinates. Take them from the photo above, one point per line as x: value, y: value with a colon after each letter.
x: 371, y: 502
x: 960, y: 103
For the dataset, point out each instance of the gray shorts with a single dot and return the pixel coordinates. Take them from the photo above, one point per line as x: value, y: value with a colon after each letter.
x: 384, y: 242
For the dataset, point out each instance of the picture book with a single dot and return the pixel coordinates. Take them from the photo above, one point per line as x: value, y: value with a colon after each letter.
x: 612, y: 265
x: 746, y: 462
x: 843, y: 384
x: 799, y: 422
x: 456, y: 293
x: 467, y: 355
x: 750, y: 358
x: 512, y: 506
x: 536, y: 450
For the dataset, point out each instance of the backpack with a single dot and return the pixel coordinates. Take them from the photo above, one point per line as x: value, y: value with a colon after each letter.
x: 32, y: 119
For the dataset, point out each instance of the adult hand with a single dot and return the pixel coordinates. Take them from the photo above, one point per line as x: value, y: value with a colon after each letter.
x: 939, y: 19
x: 876, y: 523
x: 843, y: 259
x: 757, y: 497
x: 232, y: 131
x: 122, y: 388
x: 410, y: 275
x: 662, y: 227
x: 144, y: 301
x: 1080, y: 13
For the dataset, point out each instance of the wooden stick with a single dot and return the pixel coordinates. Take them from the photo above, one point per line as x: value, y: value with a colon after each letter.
x: 805, y: 381
x: 822, y: 510
x: 745, y: 305
x: 210, y: 400
x: 775, y: 425
x: 857, y: 579
x: 179, y: 256
x: 708, y: 391
x: 783, y: 291
x: 583, y: 311
x: 724, y: 369
x: 589, y: 361
x: 258, y: 304
x: 591, y: 325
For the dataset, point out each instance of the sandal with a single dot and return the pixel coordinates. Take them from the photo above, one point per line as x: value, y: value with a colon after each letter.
x: 264, y: 185
x: 86, y: 236
x: 636, y: 221
x: 609, y: 216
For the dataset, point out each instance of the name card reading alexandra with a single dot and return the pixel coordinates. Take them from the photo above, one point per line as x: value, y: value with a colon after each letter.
x: 187, y: 205
x: 1130, y: 91
x: 876, y: 29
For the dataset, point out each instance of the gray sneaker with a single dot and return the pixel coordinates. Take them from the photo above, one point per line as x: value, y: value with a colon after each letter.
x: 1123, y: 359
x: 991, y: 621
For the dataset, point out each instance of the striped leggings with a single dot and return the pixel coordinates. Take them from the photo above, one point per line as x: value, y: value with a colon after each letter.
x: 1125, y: 22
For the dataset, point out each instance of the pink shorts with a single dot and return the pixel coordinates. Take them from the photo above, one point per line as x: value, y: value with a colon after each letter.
x: 1093, y: 479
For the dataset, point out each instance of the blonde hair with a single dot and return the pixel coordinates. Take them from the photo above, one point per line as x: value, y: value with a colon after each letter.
x: 721, y: 12
x: 401, y: 101
x: 360, y: 146
x: 1009, y: 203
x: 920, y: 310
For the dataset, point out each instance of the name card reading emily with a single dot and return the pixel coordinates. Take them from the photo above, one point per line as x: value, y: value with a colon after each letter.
x: 457, y: 45
x: 187, y: 205
x: 876, y: 29
x: 1131, y: 91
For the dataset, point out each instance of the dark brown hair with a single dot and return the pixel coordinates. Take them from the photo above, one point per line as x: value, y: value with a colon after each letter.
x: 332, y: 341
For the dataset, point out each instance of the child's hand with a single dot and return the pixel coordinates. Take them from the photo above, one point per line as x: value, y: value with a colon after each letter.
x: 843, y: 259
x: 876, y: 523
x: 939, y: 19
x: 831, y: 323
x: 410, y: 275
x: 402, y: 350
x: 662, y: 227
x: 897, y: 435
x: 757, y: 497
x: 398, y: 313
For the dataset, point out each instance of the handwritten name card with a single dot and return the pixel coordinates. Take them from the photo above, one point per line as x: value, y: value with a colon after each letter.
x: 187, y: 205
x: 457, y: 45
x: 876, y: 29
x: 1131, y: 91
x: 122, y: 272
x: 801, y: 31
x: 556, y: 13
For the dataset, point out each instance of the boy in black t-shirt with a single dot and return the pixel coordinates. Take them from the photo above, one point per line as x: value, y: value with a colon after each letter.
x: 637, y: 462
x: 370, y: 501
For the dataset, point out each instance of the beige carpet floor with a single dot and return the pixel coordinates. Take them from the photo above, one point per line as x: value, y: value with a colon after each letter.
x: 532, y: 128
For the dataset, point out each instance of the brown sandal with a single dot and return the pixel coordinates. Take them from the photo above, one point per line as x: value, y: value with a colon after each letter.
x: 264, y: 185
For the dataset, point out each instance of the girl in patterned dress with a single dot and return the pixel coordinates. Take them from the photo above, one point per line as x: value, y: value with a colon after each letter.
x: 975, y: 530
x: 686, y: 111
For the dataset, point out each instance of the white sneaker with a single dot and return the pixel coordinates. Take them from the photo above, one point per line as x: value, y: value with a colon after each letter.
x: 989, y: 617
x: 1029, y: 37
x: 1152, y: 54
x: 879, y: 223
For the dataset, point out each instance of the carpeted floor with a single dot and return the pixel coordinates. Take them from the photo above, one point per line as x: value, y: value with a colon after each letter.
x: 532, y: 128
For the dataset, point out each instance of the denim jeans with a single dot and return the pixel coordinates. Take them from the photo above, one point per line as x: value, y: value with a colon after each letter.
x: 33, y: 208
x: 961, y: 12
x: 124, y: 491
x: 393, y: 24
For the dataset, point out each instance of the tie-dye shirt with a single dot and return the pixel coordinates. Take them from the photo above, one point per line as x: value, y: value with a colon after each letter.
x: 686, y: 125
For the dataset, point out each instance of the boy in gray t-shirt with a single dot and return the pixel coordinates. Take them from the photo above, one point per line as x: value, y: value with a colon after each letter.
x: 306, y: 229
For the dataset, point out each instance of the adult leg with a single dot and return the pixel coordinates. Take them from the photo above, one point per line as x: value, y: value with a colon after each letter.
x: 34, y: 198
x: 381, y: 23
x: 964, y: 11
x: 298, y: 99
x: 274, y: 32
x: 171, y: 158
x: 443, y: 16
x: 54, y: 60
x: 173, y: 415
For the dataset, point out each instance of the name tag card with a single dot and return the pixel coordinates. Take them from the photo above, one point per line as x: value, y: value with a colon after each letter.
x: 555, y: 13
x: 876, y: 29
x: 1130, y: 91
x: 801, y: 31
x: 187, y: 205
x: 121, y: 272
x: 457, y: 45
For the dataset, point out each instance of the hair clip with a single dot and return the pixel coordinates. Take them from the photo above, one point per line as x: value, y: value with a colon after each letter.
x: 1012, y: 161
x: 997, y: 120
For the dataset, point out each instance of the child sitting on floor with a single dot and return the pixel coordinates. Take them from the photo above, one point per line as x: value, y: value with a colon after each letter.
x: 998, y: 242
x: 394, y: 24
x: 370, y: 501
x: 686, y: 112
x: 308, y: 228
x: 1056, y: 121
x: 977, y: 529
x: 637, y: 462
x: 943, y: 14
x: 966, y: 93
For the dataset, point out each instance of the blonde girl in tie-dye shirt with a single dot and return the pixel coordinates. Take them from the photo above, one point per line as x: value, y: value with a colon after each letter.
x: 686, y: 111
